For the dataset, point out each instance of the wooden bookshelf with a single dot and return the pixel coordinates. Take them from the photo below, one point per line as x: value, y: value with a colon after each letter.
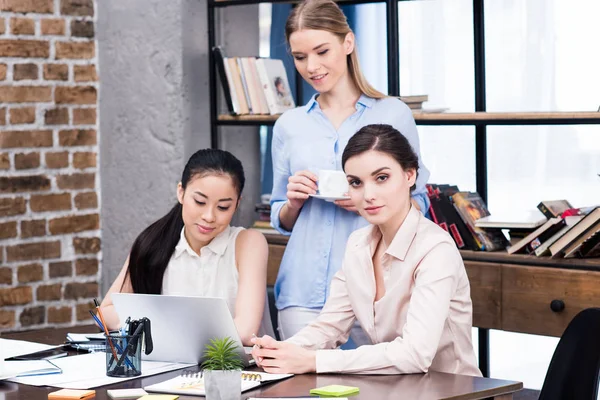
x: 475, y: 118
x: 497, y: 257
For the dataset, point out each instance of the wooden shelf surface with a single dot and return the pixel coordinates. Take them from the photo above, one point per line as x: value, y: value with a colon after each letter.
x: 498, y: 257
x: 563, y: 117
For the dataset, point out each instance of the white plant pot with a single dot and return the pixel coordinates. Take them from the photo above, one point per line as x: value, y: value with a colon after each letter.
x: 223, y: 385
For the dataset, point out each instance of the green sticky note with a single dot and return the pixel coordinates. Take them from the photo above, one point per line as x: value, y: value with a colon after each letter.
x: 334, y: 390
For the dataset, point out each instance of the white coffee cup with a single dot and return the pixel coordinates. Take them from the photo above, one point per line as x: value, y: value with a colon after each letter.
x: 332, y: 183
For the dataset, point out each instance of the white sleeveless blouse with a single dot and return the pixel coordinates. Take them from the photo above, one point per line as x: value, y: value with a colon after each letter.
x: 213, y: 273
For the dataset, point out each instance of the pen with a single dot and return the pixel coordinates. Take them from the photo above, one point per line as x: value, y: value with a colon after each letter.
x: 134, y: 339
x: 106, y: 331
x: 97, y: 320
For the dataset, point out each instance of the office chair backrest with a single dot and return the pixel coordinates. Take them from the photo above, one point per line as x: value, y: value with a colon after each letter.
x: 573, y: 371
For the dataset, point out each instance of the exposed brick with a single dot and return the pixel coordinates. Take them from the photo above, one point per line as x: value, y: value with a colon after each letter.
x: 85, y: 73
x: 74, y: 95
x: 33, y: 316
x: 25, y: 71
x: 28, y: 6
x: 77, y: 137
x: 57, y: 116
x: 74, y: 223
x: 27, y: 160
x: 57, y: 160
x: 6, y: 275
x: 22, y: 26
x: 75, y: 50
x: 25, y: 94
x: 86, y: 245
x: 60, y: 315
x: 24, y: 48
x: 22, y: 115
x: 86, y: 266
x: 2, y: 115
x: 86, y: 200
x: 82, y: 160
x: 15, y: 184
x: 80, y: 8
x: 8, y: 229
x: 33, y: 251
x: 53, y: 26
x: 4, y: 161
x: 76, y: 290
x: 83, y: 311
x: 30, y: 273
x: 50, y: 202
x: 16, y: 296
x: 10, y: 206
x: 7, y: 319
x: 12, y: 139
x: 33, y: 228
x: 84, y: 116
x: 3, y: 68
x: 1, y: 25
x: 82, y: 28
x: 60, y: 269
x: 76, y: 181
x: 56, y: 72
x: 49, y: 292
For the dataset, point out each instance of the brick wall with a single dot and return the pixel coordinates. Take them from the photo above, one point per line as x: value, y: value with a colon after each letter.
x: 49, y: 183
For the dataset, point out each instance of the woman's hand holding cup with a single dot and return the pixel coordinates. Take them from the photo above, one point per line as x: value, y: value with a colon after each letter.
x: 299, y: 186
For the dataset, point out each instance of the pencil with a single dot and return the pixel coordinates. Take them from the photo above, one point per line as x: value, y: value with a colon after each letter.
x: 112, y: 347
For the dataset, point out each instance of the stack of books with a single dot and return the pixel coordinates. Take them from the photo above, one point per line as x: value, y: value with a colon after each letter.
x: 456, y: 212
x: 253, y: 86
x: 557, y: 230
x: 568, y: 232
x: 415, y: 102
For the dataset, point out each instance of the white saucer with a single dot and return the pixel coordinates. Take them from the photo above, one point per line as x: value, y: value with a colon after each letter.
x: 329, y: 198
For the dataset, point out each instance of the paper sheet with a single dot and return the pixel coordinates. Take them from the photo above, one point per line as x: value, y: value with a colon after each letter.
x: 89, y: 371
x: 10, y: 348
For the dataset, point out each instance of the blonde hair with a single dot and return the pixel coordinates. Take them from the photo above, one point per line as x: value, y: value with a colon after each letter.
x: 325, y: 15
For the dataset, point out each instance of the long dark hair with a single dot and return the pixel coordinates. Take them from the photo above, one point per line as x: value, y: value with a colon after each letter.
x: 386, y: 139
x: 153, y: 248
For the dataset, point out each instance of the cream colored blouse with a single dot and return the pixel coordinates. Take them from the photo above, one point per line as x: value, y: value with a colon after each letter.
x: 424, y: 320
x: 213, y: 273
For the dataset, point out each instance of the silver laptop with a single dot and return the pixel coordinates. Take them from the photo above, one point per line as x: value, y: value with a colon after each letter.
x: 181, y: 326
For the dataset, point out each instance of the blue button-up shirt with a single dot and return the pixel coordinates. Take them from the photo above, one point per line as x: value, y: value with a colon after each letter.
x: 305, y: 139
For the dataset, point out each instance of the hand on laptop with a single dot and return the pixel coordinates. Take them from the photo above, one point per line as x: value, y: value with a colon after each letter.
x: 282, y: 357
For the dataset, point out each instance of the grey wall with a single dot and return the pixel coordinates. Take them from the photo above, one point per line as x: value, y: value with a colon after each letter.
x: 154, y: 114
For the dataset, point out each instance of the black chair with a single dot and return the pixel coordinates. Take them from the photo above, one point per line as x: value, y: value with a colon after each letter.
x: 574, y: 370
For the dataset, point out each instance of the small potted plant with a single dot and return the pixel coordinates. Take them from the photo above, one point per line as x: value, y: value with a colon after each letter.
x: 222, y: 370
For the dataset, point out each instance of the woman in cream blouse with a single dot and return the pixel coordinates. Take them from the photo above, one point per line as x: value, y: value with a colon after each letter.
x: 402, y: 278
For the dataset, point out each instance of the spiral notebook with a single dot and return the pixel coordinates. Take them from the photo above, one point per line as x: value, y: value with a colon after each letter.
x: 192, y: 383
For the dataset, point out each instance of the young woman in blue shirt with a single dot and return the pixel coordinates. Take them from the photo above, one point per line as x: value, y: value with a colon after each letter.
x: 313, y: 137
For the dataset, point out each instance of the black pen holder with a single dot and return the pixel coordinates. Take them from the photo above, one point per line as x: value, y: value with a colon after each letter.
x: 128, y: 352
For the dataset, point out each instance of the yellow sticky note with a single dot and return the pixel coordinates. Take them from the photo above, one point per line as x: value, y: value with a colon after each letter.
x: 159, y: 397
x: 334, y: 390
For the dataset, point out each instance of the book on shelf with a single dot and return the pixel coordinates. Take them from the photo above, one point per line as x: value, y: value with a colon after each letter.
x: 557, y: 249
x: 471, y: 207
x: 554, y: 208
x: 444, y: 214
x: 253, y: 86
x: 528, y: 220
x: 574, y: 248
x: 536, y: 235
